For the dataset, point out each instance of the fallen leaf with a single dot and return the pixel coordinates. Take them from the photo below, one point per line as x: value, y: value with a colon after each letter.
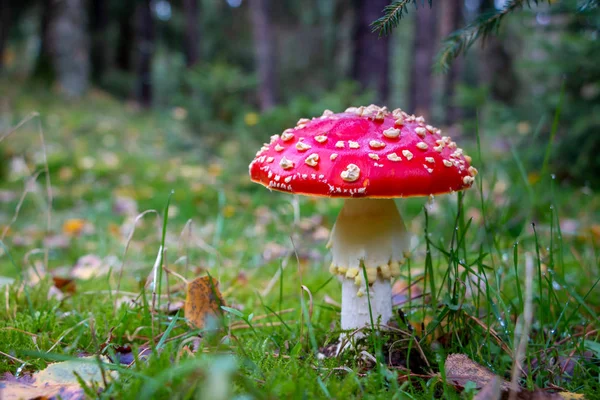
x: 57, y: 241
x: 202, y: 299
x: 58, y: 380
x: 73, y: 226
x: 66, y: 285
x: 460, y: 369
x: 125, y: 354
x: 91, y: 265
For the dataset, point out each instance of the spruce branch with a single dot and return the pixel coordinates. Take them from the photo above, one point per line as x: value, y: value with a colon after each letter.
x: 459, y: 41
x: 481, y: 28
x: 587, y: 5
x: 392, y: 14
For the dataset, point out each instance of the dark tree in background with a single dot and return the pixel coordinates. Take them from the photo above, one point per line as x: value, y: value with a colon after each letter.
x: 498, y: 70
x: 192, y: 32
x: 371, y: 62
x: 69, y: 45
x: 4, y: 28
x: 126, y: 37
x: 145, y: 36
x: 98, y: 50
x: 263, y: 49
x: 43, y: 66
x: 423, y: 53
x: 451, y: 19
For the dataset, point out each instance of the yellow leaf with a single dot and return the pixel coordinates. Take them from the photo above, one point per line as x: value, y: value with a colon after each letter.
x: 251, y: 118
x: 228, y: 211
x: 73, y: 227
x: 533, y: 177
x: 215, y: 169
x: 571, y: 396
x: 202, y: 299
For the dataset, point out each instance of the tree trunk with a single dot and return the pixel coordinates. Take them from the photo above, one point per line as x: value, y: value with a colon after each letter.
x: 145, y: 45
x: 424, y: 45
x: 451, y: 19
x: 192, y: 32
x: 98, y: 25
x: 498, y: 70
x: 263, y: 49
x: 126, y: 40
x: 4, y: 28
x: 43, y: 69
x: 69, y: 46
x: 371, y: 62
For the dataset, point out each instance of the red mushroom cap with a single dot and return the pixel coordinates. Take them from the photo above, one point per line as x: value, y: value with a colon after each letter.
x: 363, y: 152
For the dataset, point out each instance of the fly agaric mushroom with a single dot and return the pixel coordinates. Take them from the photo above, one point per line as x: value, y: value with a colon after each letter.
x: 368, y: 156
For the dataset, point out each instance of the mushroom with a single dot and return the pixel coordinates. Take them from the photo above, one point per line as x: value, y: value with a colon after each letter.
x: 368, y: 156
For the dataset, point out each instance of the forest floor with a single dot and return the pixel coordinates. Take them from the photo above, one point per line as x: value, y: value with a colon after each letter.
x: 82, y: 289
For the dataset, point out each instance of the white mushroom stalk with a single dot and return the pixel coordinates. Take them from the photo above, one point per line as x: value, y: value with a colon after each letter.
x: 369, y: 233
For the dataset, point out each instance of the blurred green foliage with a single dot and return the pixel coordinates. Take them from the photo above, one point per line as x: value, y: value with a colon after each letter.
x: 216, y: 94
x: 574, y: 56
x: 3, y: 164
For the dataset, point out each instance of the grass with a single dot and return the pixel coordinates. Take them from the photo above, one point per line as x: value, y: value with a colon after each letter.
x: 109, y: 163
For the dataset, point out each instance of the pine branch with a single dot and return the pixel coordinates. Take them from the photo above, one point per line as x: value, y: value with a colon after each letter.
x: 484, y: 26
x: 587, y: 5
x: 392, y: 14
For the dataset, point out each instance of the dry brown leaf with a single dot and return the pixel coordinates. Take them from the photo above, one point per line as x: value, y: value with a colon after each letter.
x: 460, y: 369
x: 202, y: 299
x: 74, y: 226
x: 66, y: 285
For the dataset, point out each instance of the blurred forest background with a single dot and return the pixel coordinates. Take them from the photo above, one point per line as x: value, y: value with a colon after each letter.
x: 250, y: 68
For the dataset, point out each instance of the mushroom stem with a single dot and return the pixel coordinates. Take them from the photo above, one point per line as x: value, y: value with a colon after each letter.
x: 369, y: 233
x: 355, y: 304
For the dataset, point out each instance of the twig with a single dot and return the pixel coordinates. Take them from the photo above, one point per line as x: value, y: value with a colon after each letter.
x: 12, y: 358
x: 275, y: 277
x: 48, y: 191
x: 26, y: 190
x: 526, y: 326
x: 28, y: 118
x: 129, y: 239
x: 310, y: 299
